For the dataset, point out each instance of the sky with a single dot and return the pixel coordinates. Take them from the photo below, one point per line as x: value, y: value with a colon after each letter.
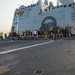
x: 7, y: 8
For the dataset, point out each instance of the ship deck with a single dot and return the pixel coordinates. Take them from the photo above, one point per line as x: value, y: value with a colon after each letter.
x: 37, y: 57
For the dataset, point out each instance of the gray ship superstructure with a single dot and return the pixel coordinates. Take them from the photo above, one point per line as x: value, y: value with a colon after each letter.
x: 43, y: 15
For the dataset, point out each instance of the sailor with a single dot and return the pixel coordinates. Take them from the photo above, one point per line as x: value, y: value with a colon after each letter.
x: 5, y: 35
x: 45, y: 34
x: 54, y: 30
x: 1, y: 35
x: 35, y: 34
x: 58, y: 32
x: 14, y: 35
x: 18, y: 34
x: 67, y: 31
x: 70, y: 32
x: 22, y: 34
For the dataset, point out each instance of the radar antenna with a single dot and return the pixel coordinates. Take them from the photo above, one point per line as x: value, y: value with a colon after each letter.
x: 57, y: 2
x: 32, y: 2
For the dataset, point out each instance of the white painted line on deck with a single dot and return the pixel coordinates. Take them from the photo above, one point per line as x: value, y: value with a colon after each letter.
x: 13, y: 50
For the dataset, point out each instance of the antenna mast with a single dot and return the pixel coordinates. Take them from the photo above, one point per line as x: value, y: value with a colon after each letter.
x: 32, y: 2
x: 57, y: 2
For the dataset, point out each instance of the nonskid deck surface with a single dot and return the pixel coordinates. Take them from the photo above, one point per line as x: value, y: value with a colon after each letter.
x: 37, y: 57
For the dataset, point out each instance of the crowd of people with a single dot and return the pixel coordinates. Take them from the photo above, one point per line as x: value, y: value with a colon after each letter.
x: 22, y: 35
x: 56, y: 32
x: 59, y: 32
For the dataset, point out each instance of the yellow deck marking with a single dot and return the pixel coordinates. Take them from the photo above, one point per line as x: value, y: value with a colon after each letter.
x: 4, y: 70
